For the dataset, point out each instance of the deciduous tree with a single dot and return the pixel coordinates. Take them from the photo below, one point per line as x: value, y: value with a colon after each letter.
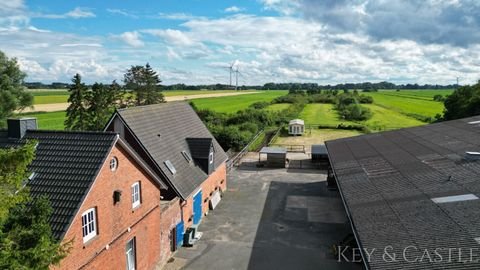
x: 12, y: 93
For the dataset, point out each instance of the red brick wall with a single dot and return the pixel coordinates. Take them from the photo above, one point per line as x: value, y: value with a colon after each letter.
x: 170, y: 217
x: 218, y: 179
x: 113, y: 220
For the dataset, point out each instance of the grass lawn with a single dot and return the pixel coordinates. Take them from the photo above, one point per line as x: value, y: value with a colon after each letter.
x: 48, y: 120
x: 278, y: 107
x: 385, y: 119
x: 233, y: 104
x: 321, y: 114
x: 406, y: 104
x: 316, y: 136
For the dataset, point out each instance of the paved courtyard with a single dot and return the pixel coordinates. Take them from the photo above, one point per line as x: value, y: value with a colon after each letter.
x: 270, y: 219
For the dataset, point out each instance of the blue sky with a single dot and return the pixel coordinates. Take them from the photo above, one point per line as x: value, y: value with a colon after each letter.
x: 194, y: 41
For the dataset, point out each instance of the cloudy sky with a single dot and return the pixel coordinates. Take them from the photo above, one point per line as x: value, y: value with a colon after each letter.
x: 194, y: 41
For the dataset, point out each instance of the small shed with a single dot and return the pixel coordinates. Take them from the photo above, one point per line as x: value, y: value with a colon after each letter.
x: 296, y: 127
x: 319, y: 152
x: 276, y: 156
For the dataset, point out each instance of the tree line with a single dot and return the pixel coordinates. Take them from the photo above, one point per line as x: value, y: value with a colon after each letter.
x: 91, y: 107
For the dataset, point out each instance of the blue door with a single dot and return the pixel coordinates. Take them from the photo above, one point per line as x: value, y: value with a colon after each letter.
x: 179, y: 234
x: 197, y: 207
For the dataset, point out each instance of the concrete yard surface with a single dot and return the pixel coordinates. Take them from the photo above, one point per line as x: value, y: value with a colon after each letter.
x: 270, y: 219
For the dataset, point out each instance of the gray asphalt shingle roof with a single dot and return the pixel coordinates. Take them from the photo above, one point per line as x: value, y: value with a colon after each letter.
x: 387, y: 181
x: 65, y: 166
x: 164, y: 131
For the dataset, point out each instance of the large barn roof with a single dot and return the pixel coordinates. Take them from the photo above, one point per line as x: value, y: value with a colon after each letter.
x: 413, y: 187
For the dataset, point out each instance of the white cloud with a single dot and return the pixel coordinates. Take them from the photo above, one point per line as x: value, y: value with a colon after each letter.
x: 132, y: 39
x: 234, y: 9
x: 171, y: 36
x: 122, y: 12
x: 177, y: 16
x: 76, y: 13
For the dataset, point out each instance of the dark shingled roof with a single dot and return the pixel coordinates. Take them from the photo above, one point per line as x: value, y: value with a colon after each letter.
x: 65, y: 166
x: 388, y: 180
x: 163, y: 130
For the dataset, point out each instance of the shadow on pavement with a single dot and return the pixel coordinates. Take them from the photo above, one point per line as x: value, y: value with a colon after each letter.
x: 299, y: 225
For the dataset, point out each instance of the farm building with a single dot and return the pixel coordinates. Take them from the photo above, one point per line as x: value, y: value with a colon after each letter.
x: 134, y: 193
x: 296, y: 127
x: 175, y: 143
x: 319, y: 153
x: 276, y: 156
x: 105, y: 197
x: 414, y: 191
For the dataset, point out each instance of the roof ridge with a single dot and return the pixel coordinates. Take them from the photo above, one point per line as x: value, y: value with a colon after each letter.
x: 72, y: 132
x: 151, y: 105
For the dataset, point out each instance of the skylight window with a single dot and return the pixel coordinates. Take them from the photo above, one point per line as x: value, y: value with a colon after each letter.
x: 170, y: 167
x: 187, y: 156
x: 456, y: 198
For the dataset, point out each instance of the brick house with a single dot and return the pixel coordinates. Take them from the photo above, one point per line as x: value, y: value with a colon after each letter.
x: 104, y: 197
x: 174, y: 142
x: 125, y: 198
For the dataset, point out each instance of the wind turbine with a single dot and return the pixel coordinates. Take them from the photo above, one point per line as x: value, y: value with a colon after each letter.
x: 231, y: 71
x: 237, y: 72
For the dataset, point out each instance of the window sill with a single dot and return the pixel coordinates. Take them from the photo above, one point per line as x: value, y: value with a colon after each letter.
x: 135, y: 208
x: 89, y: 241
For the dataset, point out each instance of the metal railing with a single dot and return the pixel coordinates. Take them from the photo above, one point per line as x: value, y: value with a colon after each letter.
x: 232, y: 162
x: 300, y: 148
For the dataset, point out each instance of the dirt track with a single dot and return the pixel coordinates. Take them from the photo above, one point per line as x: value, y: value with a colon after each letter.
x: 63, y: 106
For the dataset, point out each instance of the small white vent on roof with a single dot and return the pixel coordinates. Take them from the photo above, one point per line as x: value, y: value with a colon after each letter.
x: 170, y: 167
x: 456, y: 198
x: 474, y: 122
x: 472, y: 155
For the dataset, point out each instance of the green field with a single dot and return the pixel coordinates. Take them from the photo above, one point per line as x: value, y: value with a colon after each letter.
x: 278, y: 107
x: 48, y: 120
x: 321, y: 114
x: 385, y: 119
x: 44, y: 96
x: 410, y: 102
x: 391, y: 110
x: 233, y: 104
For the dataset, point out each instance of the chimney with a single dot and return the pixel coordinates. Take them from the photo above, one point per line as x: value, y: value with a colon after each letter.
x: 18, y: 127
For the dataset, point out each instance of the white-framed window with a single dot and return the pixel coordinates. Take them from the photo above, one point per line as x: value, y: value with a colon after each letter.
x: 136, y: 194
x: 210, y: 158
x: 89, y: 224
x: 113, y: 164
x: 130, y: 253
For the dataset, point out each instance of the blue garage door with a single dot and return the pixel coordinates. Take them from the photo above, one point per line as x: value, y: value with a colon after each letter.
x: 197, y: 207
x: 179, y: 236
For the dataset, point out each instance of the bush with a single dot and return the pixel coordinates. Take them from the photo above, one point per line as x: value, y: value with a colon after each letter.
x: 356, y: 112
x: 438, y: 98
x: 259, y: 105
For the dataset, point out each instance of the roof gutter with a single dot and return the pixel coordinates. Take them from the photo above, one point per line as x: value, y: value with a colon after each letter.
x: 347, y: 210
